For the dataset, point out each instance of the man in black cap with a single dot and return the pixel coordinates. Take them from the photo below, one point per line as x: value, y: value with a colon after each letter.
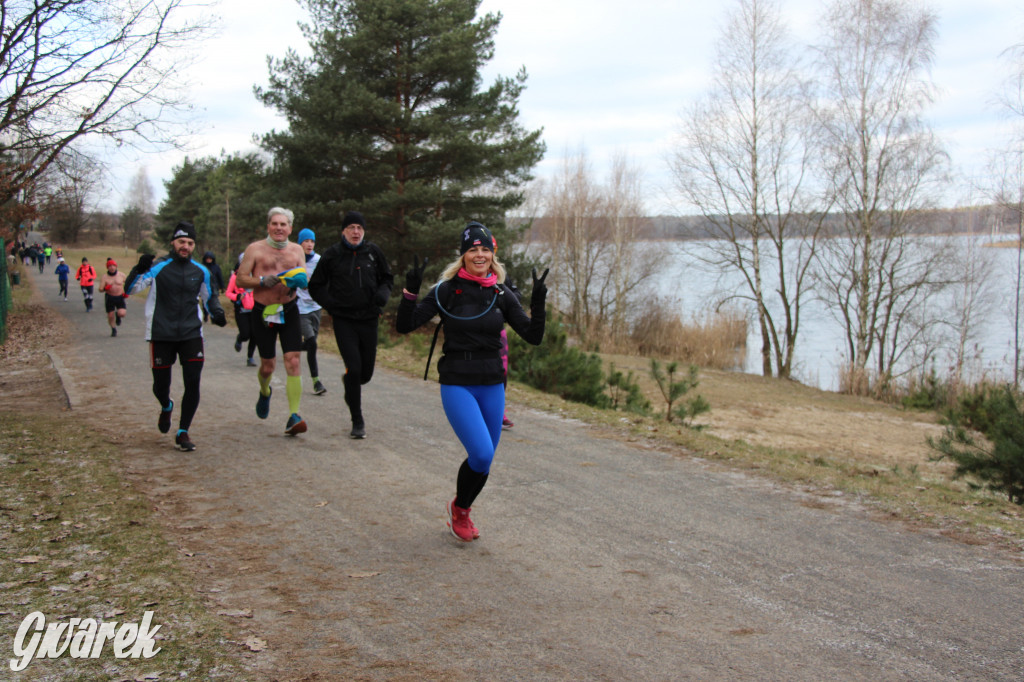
x: 174, y: 324
x: 353, y: 282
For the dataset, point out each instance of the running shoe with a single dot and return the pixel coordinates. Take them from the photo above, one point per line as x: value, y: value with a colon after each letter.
x: 358, y: 432
x: 506, y: 423
x: 184, y: 443
x: 238, y: 346
x: 319, y: 388
x: 295, y: 425
x: 250, y: 363
x: 113, y: 331
x: 164, y: 422
x: 460, y: 524
x: 263, y: 405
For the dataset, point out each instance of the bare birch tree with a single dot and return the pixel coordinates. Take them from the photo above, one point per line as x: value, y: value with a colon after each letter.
x: 1007, y: 192
x: 67, y: 194
x: 71, y: 69
x: 592, y: 234
x: 743, y: 162
x: 882, y: 164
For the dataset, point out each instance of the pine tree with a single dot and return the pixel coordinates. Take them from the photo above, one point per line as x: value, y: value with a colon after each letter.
x: 388, y: 116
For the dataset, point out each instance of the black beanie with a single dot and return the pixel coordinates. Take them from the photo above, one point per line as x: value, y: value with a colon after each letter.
x: 184, y: 229
x: 476, y: 234
x: 353, y: 217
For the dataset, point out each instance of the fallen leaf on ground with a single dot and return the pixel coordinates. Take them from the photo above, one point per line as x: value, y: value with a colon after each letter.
x: 236, y: 613
x: 364, y: 575
x: 33, y: 559
x: 255, y: 644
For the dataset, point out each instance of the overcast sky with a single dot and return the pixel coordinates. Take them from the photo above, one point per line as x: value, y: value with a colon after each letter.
x: 604, y: 76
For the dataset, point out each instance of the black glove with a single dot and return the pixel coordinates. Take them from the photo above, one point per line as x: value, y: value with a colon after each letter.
x: 381, y: 297
x: 540, y: 290
x: 217, y: 317
x: 145, y: 263
x: 414, y: 276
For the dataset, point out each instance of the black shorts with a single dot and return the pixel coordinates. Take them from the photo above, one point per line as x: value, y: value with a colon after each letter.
x: 266, y: 335
x: 112, y: 303
x: 163, y: 353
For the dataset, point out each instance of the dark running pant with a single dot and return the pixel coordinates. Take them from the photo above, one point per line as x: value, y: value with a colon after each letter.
x: 357, y: 343
x: 310, y: 325
x: 87, y: 296
x: 63, y: 288
x: 162, y: 355
x: 244, y: 322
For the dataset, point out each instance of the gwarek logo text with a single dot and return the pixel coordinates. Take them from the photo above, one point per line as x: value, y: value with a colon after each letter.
x: 81, y: 638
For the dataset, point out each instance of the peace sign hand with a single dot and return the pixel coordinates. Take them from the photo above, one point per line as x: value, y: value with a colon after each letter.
x: 414, y: 275
x: 540, y: 290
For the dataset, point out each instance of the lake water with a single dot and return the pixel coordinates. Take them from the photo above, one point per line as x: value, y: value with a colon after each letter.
x: 820, y: 347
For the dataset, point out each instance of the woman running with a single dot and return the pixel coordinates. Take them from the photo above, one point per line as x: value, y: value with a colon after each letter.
x: 474, y: 305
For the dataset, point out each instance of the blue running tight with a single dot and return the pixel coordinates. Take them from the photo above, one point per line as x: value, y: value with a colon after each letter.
x: 475, y: 414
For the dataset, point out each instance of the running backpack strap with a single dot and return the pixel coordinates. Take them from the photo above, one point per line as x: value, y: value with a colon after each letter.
x: 437, y: 330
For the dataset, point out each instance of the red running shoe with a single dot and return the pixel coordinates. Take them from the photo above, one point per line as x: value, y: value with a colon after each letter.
x: 506, y: 423
x: 460, y: 524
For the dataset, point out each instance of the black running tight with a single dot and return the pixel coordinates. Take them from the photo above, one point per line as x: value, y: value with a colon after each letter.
x: 310, y: 347
x: 190, y: 374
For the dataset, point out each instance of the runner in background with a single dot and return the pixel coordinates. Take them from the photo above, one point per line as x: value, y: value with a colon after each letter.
x: 63, y: 272
x: 310, y: 310
x: 112, y: 286
x: 243, y: 302
x: 353, y: 282
x: 86, y: 276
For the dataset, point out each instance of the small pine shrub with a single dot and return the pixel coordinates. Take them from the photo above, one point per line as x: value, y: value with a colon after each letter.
x: 926, y: 393
x: 977, y: 408
x: 555, y: 367
x: 673, y: 390
x: 625, y: 394
x: 146, y: 248
x: 996, y: 459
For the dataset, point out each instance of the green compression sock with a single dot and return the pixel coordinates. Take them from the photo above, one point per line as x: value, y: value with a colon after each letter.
x: 293, y: 386
x: 264, y: 384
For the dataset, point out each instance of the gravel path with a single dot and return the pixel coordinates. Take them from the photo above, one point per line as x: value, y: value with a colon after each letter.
x: 599, y: 560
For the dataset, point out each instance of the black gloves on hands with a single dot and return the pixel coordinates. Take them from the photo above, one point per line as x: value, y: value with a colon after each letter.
x: 218, y: 318
x: 540, y: 290
x: 145, y: 263
x: 414, y: 276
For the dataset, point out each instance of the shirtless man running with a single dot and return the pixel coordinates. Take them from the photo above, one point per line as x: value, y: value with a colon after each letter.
x: 112, y: 286
x: 276, y: 312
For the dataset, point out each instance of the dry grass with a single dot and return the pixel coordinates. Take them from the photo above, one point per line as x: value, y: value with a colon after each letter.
x: 715, y: 340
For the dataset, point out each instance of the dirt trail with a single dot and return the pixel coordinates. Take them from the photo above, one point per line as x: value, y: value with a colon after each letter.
x: 599, y: 560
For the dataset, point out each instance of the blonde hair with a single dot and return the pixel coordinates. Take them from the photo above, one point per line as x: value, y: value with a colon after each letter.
x: 452, y: 269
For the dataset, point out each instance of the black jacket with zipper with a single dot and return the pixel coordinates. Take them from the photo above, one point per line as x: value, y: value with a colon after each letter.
x: 352, y: 284
x: 471, y: 355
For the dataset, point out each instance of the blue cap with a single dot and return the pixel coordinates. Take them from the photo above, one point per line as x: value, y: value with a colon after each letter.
x: 306, y: 233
